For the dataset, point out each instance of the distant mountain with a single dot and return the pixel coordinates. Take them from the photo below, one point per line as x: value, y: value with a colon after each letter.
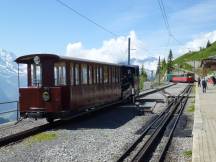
x: 8, y: 76
x: 9, y: 81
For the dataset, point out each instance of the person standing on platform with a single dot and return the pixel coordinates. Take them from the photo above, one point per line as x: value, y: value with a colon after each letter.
x: 198, y: 81
x: 213, y: 80
x: 204, y: 85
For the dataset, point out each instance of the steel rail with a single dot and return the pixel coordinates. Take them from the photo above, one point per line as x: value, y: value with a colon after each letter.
x: 154, y: 90
x: 33, y: 131
x: 148, y: 147
x: 146, y: 130
x: 168, y: 141
x: 22, y: 135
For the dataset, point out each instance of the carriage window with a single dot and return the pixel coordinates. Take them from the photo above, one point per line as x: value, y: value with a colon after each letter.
x: 77, y: 74
x: 72, y: 74
x: 90, y: 74
x: 84, y: 74
x: 105, y: 74
x: 110, y: 74
x: 117, y: 74
x: 113, y: 75
x: 95, y: 74
x: 60, y: 74
x: 101, y: 75
x: 36, y: 75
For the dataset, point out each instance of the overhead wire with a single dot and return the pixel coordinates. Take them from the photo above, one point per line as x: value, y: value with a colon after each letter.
x: 86, y: 18
x: 161, y: 5
x: 163, y: 12
x: 166, y: 22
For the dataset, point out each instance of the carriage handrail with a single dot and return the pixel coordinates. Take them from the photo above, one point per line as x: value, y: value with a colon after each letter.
x: 8, y: 102
x: 6, y: 112
x: 13, y: 110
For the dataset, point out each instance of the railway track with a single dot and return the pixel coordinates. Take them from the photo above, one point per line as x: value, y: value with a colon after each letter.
x: 33, y: 131
x: 48, y: 126
x: 143, y: 147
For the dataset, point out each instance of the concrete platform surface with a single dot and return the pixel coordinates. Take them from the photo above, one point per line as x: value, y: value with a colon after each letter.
x: 204, y: 129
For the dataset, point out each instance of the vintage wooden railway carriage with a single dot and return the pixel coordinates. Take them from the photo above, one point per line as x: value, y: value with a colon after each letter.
x: 61, y: 86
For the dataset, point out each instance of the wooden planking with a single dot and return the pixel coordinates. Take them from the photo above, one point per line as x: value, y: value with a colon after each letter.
x: 204, y: 130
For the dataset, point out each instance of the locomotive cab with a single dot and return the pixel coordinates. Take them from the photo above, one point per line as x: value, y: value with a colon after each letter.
x: 41, y: 98
x: 130, y: 80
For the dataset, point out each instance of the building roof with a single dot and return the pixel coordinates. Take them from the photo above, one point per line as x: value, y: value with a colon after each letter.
x: 209, y: 62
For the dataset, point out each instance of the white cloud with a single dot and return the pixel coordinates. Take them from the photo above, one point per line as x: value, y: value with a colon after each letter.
x: 199, y: 41
x: 113, y: 50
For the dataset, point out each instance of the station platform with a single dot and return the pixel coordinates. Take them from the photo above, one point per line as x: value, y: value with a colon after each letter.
x: 204, y: 129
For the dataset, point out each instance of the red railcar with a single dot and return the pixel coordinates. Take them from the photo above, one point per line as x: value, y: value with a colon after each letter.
x: 183, y: 78
x: 61, y: 86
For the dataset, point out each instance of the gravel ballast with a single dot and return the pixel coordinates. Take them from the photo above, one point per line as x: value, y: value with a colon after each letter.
x: 25, y: 124
x: 101, y: 138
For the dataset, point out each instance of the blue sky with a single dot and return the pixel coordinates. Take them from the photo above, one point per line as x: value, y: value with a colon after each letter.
x: 29, y: 26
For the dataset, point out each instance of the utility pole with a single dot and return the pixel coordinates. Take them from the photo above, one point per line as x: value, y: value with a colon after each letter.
x: 159, y: 70
x: 129, y: 51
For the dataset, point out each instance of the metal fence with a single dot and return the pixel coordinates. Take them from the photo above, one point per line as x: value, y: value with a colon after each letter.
x: 12, y: 110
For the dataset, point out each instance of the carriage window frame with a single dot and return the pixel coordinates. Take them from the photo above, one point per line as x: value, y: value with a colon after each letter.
x: 90, y: 76
x: 95, y: 74
x: 36, y: 75
x: 84, y: 74
x: 117, y: 74
x: 105, y: 74
x: 60, y: 73
x: 113, y: 75
x: 77, y: 73
x: 100, y: 74
x: 110, y: 74
x: 72, y: 76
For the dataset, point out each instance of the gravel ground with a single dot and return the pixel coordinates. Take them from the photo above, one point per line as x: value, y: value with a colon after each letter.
x: 101, y: 137
x: 180, y: 150
x: 25, y: 124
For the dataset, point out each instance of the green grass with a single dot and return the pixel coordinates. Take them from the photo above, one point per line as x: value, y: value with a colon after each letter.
x: 197, y: 56
x: 182, y: 61
x: 187, y: 153
x: 45, y: 136
x: 191, y: 108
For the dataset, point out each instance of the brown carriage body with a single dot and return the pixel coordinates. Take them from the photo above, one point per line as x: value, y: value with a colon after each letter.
x: 84, y: 84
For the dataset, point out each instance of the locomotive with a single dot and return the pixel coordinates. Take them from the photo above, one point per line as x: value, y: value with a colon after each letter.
x: 59, y: 87
x: 182, y: 78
